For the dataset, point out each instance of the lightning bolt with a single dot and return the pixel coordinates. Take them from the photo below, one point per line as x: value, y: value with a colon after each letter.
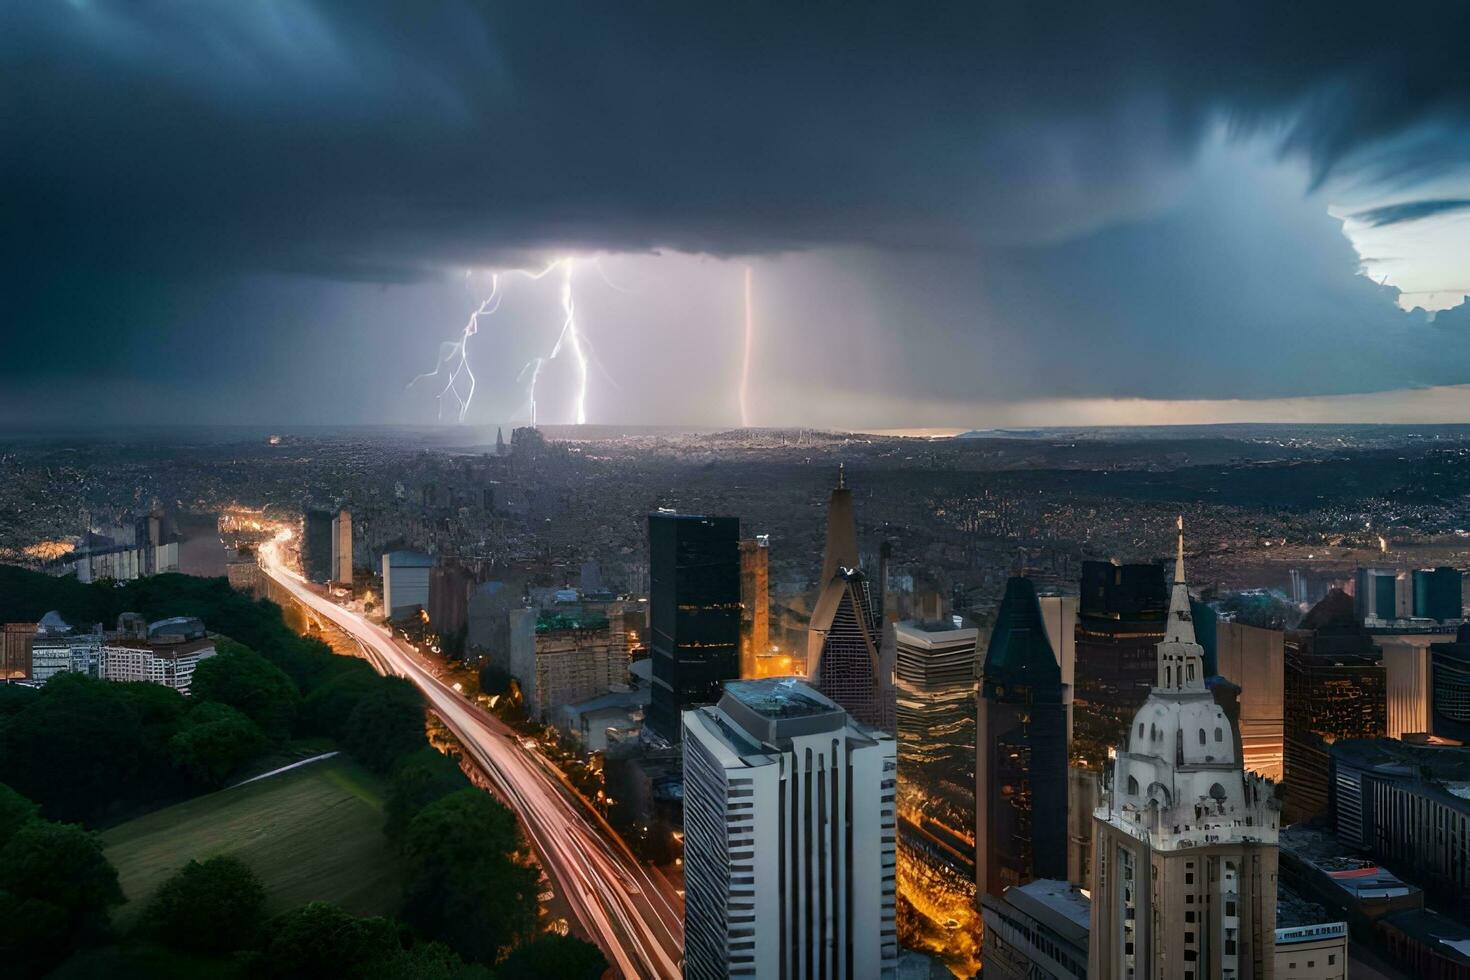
x: 454, y: 362
x: 745, y: 364
x: 454, y: 365
x: 569, y: 338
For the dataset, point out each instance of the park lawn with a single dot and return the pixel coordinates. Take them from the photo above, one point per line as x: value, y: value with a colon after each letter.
x: 311, y: 834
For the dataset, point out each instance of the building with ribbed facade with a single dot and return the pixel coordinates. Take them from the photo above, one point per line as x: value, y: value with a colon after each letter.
x: 1448, y: 709
x: 405, y: 583
x: 755, y: 602
x: 846, y: 658
x: 1255, y: 659
x: 789, y: 838
x: 1185, y: 840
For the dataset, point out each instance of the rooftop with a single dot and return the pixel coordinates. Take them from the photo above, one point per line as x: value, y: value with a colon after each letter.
x: 1062, y: 898
x: 778, y: 698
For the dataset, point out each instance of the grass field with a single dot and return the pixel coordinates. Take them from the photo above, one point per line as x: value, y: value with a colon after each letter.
x: 314, y: 833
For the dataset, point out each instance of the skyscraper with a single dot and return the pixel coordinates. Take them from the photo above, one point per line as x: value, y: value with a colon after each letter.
x: 405, y: 583
x: 1021, y: 750
x: 788, y: 838
x: 1184, y: 854
x: 936, y: 785
x: 316, y: 544
x: 342, y: 548
x: 1375, y: 594
x: 755, y: 602
x: 694, y: 613
x: 1437, y: 594
x: 1449, y: 687
x: 1120, y: 620
x: 1335, y: 687
x: 846, y: 658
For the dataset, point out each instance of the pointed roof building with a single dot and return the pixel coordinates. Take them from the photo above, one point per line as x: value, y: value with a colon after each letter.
x: 1185, y: 841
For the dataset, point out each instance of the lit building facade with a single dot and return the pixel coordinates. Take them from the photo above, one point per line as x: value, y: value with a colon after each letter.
x: 576, y: 657
x: 936, y: 784
x: 342, y: 548
x: 755, y: 602
x: 1335, y: 688
x: 693, y: 614
x: 1255, y: 660
x: 405, y: 583
x: 1021, y: 751
x: 789, y: 838
x: 166, y: 653
x: 1185, y: 854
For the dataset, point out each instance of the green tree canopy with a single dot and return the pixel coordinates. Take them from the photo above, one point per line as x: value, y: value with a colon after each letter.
x: 386, y: 725
x: 469, y: 886
x: 418, y: 780
x: 321, y: 940
x: 15, y: 812
x: 214, y: 907
x: 55, y: 891
x: 213, y: 741
x: 241, y: 678
x: 553, y: 957
x: 14, y: 699
x: 75, y: 749
x: 327, y: 708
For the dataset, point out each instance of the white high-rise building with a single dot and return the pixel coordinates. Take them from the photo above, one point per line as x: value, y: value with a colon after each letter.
x: 789, y: 838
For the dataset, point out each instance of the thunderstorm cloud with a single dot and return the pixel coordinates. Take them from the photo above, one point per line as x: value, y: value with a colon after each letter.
x: 213, y: 197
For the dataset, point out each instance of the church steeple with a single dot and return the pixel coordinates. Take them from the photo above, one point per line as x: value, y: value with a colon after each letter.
x: 1181, y: 659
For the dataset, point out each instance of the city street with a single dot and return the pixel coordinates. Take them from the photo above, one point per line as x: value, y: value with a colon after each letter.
x: 618, y: 902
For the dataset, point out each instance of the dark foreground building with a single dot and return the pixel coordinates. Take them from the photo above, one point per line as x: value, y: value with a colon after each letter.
x: 1021, y: 751
x: 1120, y: 620
x: 1335, y: 688
x: 694, y: 613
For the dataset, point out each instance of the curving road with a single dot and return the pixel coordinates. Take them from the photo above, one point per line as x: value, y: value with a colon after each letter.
x: 638, y: 925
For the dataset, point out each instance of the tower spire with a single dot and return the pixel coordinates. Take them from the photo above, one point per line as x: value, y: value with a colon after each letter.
x: 1179, y: 558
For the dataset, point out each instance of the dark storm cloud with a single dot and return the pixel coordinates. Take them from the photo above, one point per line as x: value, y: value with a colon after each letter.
x: 1392, y: 214
x: 378, y: 140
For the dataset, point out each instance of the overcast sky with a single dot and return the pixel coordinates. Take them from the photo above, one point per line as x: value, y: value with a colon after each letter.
x: 988, y: 214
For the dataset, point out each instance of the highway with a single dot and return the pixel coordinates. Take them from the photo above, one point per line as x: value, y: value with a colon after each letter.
x: 636, y: 922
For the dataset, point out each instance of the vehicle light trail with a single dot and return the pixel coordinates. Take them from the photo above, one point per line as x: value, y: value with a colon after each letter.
x: 635, y: 919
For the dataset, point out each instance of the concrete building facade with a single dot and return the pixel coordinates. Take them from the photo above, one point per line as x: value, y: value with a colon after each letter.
x: 789, y: 838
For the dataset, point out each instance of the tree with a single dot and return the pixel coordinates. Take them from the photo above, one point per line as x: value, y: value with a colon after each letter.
x: 468, y: 885
x: 423, y: 961
x: 14, y: 699
x: 327, y: 708
x: 241, y: 678
x: 321, y: 940
x: 418, y: 780
x: 15, y: 812
x: 211, y: 908
x: 386, y: 725
x: 553, y: 957
x: 214, y: 741
x: 55, y: 891
x: 78, y: 729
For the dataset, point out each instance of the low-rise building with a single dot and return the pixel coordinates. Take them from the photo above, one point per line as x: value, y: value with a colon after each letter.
x: 166, y: 654
x: 1036, y: 931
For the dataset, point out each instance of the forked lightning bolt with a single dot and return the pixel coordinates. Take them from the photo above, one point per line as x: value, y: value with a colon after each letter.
x: 454, y: 366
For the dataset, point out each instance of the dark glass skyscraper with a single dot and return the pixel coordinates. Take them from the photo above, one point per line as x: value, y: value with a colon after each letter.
x: 1121, y: 614
x: 1437, y: 594
x: 316, y: 545
x: 694, y: 613
x: 1021, y: 757
x: 1449, y: 687
x: 1335, y: 688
